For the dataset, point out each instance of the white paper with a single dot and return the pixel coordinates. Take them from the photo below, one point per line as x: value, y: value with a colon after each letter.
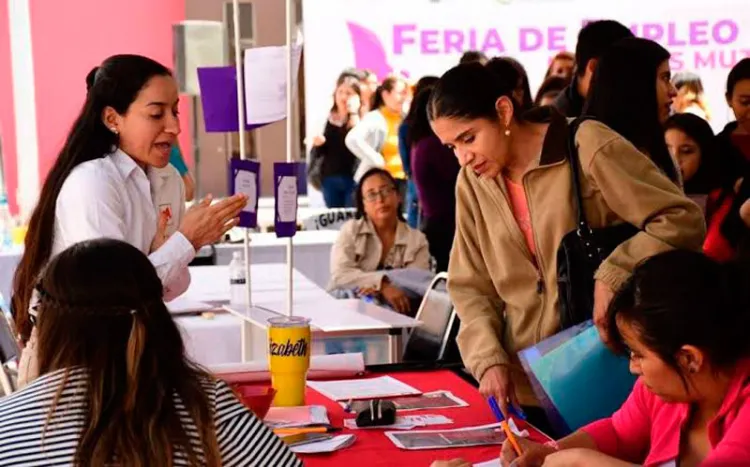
x: 265, y: 82
x: 292, y: 417
x: 367, y: 388
x: 184, y: 305
x: 485, y: 435
x: 427, y: 401
x: 406, y: 422
x: 321, y: 366
x: 329, y: 445
x: 287, y: 199
x: 246, y: 182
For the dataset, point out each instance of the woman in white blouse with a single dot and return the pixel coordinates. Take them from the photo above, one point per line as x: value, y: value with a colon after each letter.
x: 112, y: 179
x: 115, y: 387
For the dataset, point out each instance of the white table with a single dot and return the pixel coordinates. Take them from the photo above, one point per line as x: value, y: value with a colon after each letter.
x: 330, y: 318
x: 312, y: 252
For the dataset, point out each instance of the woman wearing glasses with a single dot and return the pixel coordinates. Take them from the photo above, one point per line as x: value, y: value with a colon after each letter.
x: 377, y: 240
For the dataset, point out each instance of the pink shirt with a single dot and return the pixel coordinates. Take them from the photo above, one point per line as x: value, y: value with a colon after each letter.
x: 520, y: 208
x: 647, y: 430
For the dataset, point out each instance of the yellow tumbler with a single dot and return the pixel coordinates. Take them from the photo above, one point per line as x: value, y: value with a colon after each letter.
x: 289, y: 349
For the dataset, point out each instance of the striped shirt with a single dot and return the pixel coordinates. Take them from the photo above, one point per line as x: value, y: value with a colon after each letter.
x: 242, y: 438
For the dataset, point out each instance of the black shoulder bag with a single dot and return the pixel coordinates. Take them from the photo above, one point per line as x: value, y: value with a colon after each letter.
x: 582, y: 250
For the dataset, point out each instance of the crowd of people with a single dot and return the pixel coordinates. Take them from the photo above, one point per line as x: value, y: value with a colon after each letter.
x: 104, y: 373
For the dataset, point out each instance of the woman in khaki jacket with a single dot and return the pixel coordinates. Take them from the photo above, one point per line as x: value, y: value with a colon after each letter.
x: 514, y: 205
x: 377, y: 240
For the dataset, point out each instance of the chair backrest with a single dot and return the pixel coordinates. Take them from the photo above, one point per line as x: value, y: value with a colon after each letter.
x: 434, y: 339
x: 10, y: 352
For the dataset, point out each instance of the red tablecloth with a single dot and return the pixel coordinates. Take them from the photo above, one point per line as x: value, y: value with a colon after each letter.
x: 373, y: 448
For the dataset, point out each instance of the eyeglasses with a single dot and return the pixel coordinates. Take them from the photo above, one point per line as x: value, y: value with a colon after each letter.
x: 383, y: 193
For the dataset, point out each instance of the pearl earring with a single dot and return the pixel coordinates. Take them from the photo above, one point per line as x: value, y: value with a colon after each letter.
x: 507, y: 132
x: 113, y: 130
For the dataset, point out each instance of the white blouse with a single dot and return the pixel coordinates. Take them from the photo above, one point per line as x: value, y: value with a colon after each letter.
x: 113, y: 197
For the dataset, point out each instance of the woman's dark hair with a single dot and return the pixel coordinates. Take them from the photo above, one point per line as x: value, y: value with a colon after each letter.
x: 710, y: 175
x: 740, y: 72
x: 508, y: 66
x: 425, y: 82
x: 552, y: 85
x: 101, y: 310
x: 452, y: 98
x: 116, y: 83
x: 417, y: 124
x: 349, y: 81
x: 623, y: 97
x: 359, y: 197
x: 682, y: 298
x: 388, y: 84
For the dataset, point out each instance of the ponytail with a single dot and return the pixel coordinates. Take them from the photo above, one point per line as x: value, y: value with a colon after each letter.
x: 388, y: 84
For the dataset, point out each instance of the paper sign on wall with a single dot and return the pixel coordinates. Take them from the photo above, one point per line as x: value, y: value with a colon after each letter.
x: 285, y: 193
x: 244, y: 177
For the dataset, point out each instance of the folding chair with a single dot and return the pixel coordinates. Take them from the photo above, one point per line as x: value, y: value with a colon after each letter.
x: 434, y: 340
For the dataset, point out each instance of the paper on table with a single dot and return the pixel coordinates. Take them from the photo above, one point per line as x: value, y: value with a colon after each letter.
x: 265, y: 82
x: 426, y: 401
x: 322, y: 447
x: 406, y: 422
x: 290, y: 417
x: 486, y: 435
x: 182, y: 305
x: 369, y: 388
x: 321, y: 366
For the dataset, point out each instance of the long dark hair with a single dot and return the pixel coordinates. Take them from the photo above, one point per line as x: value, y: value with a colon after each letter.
x: 623, y: 97
x: 116, y: 83
x: 388, y: 84
x: 417, y: 124
x: 359, y: 197
x: 710, y: 175
x: 101, y: 309
x: 682, y: 298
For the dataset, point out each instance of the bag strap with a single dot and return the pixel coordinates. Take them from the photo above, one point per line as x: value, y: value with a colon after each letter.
x: 582, y: 226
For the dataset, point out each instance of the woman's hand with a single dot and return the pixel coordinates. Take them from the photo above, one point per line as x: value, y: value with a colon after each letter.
x: 603, y: 294
x: 533, y: 454
x: 745, y: 213
x: 161, y: 231
x: 395, y: 297
x: 318, y: 140
x: 496, y: 382
x: 205, y: 224
x: 451, y: 463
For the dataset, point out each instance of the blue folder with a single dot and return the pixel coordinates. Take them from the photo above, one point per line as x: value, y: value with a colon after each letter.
x: 576, y: 378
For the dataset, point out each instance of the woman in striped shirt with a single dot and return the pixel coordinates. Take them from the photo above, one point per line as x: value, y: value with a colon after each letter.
x: 115, y: 386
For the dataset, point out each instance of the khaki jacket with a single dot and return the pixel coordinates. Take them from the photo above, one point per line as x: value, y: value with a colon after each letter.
x: 356, y: 255
x: 505, y: 302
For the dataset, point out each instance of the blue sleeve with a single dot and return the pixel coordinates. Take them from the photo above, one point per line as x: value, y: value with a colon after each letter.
x: 403, y: 150
x: 175, y: 158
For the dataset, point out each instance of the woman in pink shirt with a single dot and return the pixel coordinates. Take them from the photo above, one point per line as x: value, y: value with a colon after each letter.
x: 684, y: 321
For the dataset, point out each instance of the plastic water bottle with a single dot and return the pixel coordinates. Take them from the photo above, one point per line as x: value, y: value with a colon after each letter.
x: 6, y: 224
x: 237, y: 279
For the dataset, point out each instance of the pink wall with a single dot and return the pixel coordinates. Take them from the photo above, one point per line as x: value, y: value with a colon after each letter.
x: 7, y: 123
x: 71, y: 37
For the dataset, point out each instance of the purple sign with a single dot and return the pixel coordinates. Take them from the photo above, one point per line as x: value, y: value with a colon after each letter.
x: 219, y: 99
x: 285, y: 181
x: 244, y: 177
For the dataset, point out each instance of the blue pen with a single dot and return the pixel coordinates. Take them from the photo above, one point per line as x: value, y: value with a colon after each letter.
x: 499, y: 414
